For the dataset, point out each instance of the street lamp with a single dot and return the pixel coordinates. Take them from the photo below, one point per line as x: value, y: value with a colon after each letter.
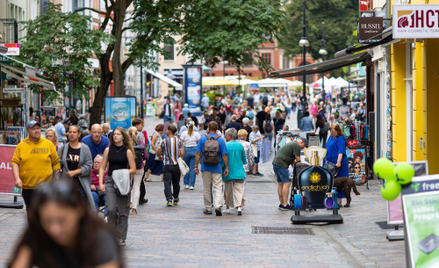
x: 323, y: 53
x: 304, y: 43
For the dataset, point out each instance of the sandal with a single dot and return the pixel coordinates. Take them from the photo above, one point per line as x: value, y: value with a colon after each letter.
x: 134, y: 211
x: 148, y: 180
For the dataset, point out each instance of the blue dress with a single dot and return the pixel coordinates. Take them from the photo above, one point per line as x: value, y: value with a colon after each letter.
x: 335, y: 147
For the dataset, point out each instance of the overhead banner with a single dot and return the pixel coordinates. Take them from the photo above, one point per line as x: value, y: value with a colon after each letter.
x: 120, y: 111
x: 420, y: 201
x: 7, y: 182
x: 415, y: 21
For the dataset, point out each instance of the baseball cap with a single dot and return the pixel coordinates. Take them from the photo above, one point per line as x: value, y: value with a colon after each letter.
x: 31, y: 124
x: 305, y: 141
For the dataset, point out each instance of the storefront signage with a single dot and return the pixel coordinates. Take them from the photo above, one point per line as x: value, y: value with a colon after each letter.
x: 7, y: 182
x: 13, y: 49
x: 415, y: 21
x: 174, y: 73
x: 421, y: 221
x: 14, y: 90
x: 369, y: 28
x: 193, y: 81
x: 352, y: 142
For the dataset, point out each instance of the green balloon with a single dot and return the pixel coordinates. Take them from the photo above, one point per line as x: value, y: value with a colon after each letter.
x: 404, y: 173
x: 383, y: 168
x: 390, y: 190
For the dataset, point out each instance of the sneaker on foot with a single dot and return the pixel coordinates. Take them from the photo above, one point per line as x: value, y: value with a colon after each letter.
x: 121, y: 243
x: 226, y: 211
x: 281, y: 207
x: 218, y: 212
x: 259, y: 174
x: 239, y: 212
x: 288, y: 207
x: 186, y: 187
x: 169, y: 204
x: 191, y: 188
x: 176, y: 201
x: 206, y: 211
x: 254, y: 174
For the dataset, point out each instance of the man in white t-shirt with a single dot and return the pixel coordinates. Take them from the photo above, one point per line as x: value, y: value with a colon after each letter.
x: 256, y: 99
x: 205, y: 102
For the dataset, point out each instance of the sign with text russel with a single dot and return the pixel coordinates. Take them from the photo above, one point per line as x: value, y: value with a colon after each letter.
x: 415, y: 21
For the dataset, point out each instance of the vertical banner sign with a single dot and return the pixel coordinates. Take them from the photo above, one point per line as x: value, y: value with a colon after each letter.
x: 7, y: 182
x: 193, y: 78
x: 120, y: 111
x: 420, y: 201
x: 363, y: 5
x: 394, y: 207
x: 357, y: 165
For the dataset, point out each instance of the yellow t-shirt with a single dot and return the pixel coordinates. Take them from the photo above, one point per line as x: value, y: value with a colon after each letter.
x: 36, y: 161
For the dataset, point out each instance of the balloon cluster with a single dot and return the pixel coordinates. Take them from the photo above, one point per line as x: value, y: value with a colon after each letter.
x: 394, y: 176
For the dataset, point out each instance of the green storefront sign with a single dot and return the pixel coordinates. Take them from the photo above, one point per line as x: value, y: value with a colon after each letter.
x: 421, y: 215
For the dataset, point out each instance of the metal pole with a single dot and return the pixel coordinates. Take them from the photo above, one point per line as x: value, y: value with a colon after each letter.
x: 141, y: 89
x: 305, y: 104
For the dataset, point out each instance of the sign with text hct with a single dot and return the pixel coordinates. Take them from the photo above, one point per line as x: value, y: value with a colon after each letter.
x: 415, y: 21
x: 370, y: 28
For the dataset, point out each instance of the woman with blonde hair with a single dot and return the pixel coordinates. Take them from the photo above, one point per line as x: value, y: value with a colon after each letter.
x: 118, y: 156
x: 190, y: 139
x: 51, y: 136
x: 137, y: 178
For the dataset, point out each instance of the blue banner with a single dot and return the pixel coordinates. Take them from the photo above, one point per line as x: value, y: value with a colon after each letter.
x: 193, y: 82
x: 120, y: 111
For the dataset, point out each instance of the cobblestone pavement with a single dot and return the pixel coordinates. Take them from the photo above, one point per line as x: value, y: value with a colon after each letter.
x: 182, y: 236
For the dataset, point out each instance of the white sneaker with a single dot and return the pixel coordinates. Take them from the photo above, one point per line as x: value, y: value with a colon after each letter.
x: 191, y: 188
x: 239, y: 212
x: 226, y: 211
x: 186, y: 187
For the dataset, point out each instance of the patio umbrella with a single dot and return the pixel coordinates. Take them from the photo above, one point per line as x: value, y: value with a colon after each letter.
x: 217, y: 82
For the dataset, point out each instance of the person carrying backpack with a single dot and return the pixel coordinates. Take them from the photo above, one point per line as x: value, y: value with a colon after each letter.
x: 268, y: 127
x: 212, y: 150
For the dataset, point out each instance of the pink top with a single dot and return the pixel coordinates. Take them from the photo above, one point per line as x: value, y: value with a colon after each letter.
x: 95, y: 178
x: 313, y: 110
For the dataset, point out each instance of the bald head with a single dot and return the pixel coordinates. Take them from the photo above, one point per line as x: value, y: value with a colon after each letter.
x: 96, y: 132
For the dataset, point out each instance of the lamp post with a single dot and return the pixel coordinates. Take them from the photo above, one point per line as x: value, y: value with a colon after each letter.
x: 304, y: 44
x: 323, y: 53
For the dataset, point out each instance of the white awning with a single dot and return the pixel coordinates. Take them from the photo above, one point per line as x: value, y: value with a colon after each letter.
x: 169, y: 81
x: 6, y: 71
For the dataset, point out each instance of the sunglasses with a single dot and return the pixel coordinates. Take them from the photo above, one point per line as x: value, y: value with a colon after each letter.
x: 356, y: 168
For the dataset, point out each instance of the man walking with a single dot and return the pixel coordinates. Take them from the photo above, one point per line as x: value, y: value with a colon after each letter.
x: 234, y: 124
x: 34, y: 163
x: 289, y: 154
x: 168, y: 110
x: 107, y: 130
x: 213, y: 154
x: 95, y: 141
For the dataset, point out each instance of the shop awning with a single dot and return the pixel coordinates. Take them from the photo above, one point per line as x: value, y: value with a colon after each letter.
x: 6, y: 71
x: 169, y: 81
x: 325, y: 66
x: 31, y: 78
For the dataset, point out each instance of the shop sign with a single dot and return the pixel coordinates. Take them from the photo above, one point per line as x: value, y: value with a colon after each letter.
x: 421, y: 221
x: 352, y: 142
x: 174, y: 73
x: 415, y: 21
x: 120, y: 111
x: 13, y: 49
x: 13, y: 90
x: 370, y: 27
x: 364, y: 5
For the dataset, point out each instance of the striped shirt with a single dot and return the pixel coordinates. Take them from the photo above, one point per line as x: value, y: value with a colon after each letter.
x: 170, y: 147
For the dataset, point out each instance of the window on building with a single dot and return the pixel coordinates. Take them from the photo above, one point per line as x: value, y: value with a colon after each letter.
x: 267, y: 57
x: 77, y: 4
x: 170, y: 55
x: 285, y: 63
x: 263, y: 75
x: 250, y: 74
x: 213, y: 74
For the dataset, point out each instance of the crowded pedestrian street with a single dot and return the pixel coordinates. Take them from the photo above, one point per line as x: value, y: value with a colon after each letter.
x: 182, y: 236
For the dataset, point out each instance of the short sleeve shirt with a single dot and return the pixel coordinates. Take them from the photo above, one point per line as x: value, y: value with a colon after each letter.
x: 222, y: 151
x: 170, y: 147
x: 287, y: 154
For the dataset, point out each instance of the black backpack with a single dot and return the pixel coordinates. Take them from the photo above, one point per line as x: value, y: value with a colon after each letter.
x: 138, y: 151
x: 268, y: 127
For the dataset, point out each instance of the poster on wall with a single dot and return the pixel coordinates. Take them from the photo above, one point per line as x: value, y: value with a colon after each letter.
x: 193, y: 82
x: 394, y: 207
x: 420, y: 201
x: 7, y: 182
x: 120, y: 111
x: 357, y: 165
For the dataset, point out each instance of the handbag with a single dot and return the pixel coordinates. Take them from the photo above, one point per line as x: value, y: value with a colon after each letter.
x: 184, y: 169
x: 331, y: 167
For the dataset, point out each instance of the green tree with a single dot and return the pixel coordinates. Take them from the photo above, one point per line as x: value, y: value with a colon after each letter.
x: 340, y: 17
x: 59, y: 44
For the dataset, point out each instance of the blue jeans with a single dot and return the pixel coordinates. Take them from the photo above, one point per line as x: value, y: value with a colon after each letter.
x: 293, y: 107
x: 189, y: 158
x: 165, y: 118
x: 96, y: 198
x: 282, y: 174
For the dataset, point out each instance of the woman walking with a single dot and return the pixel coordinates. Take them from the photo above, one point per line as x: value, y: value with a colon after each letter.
x: 51, y: 136
x: 119, y: 156
x: 190, y: 139
x: 137, y: 140
x: 172, y: 148
x: 323, y: 131
x: 177, y: 110
x: 76, y: 165
x: 336, y: 153
x: 313, y: 110
x: 268, y: 127
x: 154, y: 165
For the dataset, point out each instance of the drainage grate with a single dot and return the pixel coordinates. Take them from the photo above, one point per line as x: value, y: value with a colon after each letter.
x: 281, y: 230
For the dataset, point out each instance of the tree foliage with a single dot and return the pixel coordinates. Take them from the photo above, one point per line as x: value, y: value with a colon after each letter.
x: 340, y: 18
x: 59, y: 44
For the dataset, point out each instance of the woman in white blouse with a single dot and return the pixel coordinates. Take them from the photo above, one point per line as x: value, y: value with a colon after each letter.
x: 190, y: 139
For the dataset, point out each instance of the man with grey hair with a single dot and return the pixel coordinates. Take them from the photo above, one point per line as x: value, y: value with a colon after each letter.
x: 247, y: 128
x: 234, y: 124
x: 106, y: 128
x: 234, y: 182
x: 95, y: 141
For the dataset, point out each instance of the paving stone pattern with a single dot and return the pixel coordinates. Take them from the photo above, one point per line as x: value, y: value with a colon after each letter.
x: 182, y: 236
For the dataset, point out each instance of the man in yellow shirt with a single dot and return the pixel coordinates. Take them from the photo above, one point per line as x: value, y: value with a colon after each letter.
x: 34, y: 163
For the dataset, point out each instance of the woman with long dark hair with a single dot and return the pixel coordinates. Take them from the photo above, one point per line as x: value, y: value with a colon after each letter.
x: 63, y: 232
x: 155, y: 166
x: 323, y: 130
x: 119, y: 156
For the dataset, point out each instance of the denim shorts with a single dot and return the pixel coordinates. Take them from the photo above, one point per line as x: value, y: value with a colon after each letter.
x: 282, y: 174
x: 257, y: 158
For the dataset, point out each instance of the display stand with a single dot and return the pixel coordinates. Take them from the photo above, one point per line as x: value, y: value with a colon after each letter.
x: 395, y: 235
x: 333, y: 218
x: 11, y: 204
x: 9, y: 141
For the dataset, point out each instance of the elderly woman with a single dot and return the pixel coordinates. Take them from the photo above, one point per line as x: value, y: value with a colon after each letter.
x: 98, y: 196
x: 51, y: 136
x: 234, y: 182
x: 336, y: 153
